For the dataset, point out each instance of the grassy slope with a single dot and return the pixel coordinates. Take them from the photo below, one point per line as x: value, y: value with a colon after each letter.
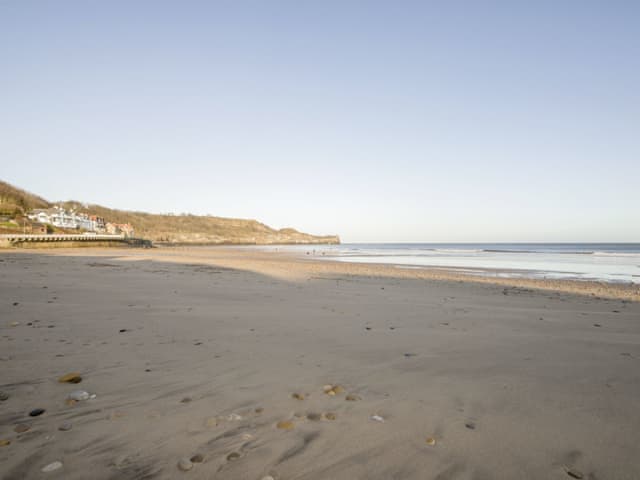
x: 170, y: 228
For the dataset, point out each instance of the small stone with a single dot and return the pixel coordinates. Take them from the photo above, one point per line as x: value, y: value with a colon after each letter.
x: 352, y: 398
x: 70, y: 402
x: 314, y: 417
x: 430, y: 441
x: 574, y: 473
x: 197, y: 458
x: 52, y: 466
x: 4, y: 397
x: 330, y: 416
x: 233, y: 456
x: 211, y: 422
x: 4, y: 443
x: 470, y: 425
x: 185, y: 464
x: 234, y: 417
x: 332, y: 390
x: 36, y: 412
x: 185, y: 400
x: 15, y: 304
x: 22, y: 427
x: 65, y: 426
x: 377, y: 418
x: 79, y: 395
x: 285, y: 425
x: 259, y: 410
x: 597, y: 325
x: 297, y: 396
x: 122, y: 330
x: 70, y: 378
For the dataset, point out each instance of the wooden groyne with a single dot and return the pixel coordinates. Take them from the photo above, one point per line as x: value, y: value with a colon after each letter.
x: 66, y: 240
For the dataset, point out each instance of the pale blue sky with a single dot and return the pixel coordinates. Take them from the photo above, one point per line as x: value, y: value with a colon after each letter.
x: 379, y: 121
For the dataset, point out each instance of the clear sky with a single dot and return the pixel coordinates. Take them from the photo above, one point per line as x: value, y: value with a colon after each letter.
x: 378, y: 121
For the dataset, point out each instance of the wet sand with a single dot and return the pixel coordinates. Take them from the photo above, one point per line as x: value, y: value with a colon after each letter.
x: 200, y: 351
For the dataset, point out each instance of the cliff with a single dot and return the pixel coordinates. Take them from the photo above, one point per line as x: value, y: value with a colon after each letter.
x: 172, y: 229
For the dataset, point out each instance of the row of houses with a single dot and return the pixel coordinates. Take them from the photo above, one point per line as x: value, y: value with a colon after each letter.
x: 59, y: 217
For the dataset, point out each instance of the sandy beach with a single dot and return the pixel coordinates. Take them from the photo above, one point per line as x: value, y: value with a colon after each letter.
x: 256, y: 364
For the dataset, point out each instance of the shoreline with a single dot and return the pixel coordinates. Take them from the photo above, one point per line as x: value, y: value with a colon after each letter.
x: 289, y: 266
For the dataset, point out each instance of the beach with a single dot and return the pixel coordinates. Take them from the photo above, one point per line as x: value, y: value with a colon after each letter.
x: 251, y: 364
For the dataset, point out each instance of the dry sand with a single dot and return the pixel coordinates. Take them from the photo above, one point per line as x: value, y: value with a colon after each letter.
x: 513, y: 380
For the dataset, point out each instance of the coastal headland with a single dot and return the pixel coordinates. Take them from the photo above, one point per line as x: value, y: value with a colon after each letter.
x: 240, y: 364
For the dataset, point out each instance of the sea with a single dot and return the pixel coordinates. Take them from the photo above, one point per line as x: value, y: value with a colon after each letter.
x: 607, y: 262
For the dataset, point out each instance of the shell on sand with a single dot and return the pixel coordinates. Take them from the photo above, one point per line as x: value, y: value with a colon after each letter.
x: 52, y: 466
x: 285, y: 425
x: 4, y: 443
x: 430, y: 441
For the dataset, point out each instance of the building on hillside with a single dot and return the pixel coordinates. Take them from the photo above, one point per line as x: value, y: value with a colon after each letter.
x: 120, y: 229
x: 97, y: 224
x: 41, y: 215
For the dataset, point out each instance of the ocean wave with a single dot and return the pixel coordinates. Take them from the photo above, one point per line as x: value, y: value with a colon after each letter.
x: 617, y: 254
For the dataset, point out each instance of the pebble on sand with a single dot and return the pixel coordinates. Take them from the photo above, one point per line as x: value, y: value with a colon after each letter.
x: 233, y: 456
x: 430, y: 441
x: 79, y: 395
x: 197, y: 458
x: 65, y: 426
x: 298, y: 396
x: 72, y: 377
x: 330, y: 416
x: 36, y: 412
x: 332, y: 390
x: 52, y: 466
x: 470, y: 425
x: 377, y: 418
x: 314, y: 417
x: 285, y: 425
x: 185, y: 464
x: 259, y: 410
x: 574, y: 473
x: 185, y: 400
x: 22, y: 427
x: 4, y: 443
x: 352, y: 398
x: 4, y: 396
